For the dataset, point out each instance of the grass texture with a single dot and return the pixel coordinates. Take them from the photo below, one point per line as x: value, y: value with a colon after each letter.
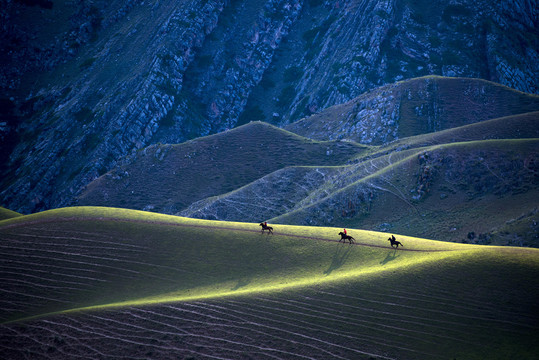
x: 296, y: 292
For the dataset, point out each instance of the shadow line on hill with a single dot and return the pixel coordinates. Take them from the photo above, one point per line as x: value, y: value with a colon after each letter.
x: 391, y: 255
x: 341, y: 255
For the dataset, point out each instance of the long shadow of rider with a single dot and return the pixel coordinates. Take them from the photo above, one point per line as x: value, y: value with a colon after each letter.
x: 390, y: 256
x: 241, y: 283
x: 339, y: 258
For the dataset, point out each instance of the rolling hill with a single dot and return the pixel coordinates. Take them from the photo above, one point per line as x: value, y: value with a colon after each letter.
x: 440, y: 192
x: 168, y: 178
x: 415, y: 107
x: 257, y: 171
x: 89, y: 282
x: 482, y: 169
x: 7, y: 214
x: 446, y: 192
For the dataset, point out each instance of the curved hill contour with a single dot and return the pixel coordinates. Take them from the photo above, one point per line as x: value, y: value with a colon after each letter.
x: 168, y: 178
x: 444, y: 191
x: 7, y: 214
x: 76, y: 281
x: 415, y: 107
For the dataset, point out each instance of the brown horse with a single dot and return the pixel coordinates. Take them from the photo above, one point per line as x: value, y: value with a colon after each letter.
x: 394, y: 241
x: 266, y: 227
x: 345, y: 237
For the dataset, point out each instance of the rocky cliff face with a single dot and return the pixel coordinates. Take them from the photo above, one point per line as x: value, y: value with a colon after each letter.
x: 117, y: 76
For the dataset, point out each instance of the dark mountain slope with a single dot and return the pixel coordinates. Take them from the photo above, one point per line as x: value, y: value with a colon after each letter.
x: 265, y: 198
x: 168, y: 178
x: 142, y: 72
x: 415, y: 107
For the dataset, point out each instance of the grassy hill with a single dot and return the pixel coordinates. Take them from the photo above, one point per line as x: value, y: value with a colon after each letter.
x: 408, y: 185
x: 168, y: 178
x: 104, y: 282
x: 258, y: 171
x: 7, y: 214
x: 444, y: 191
x: 521, y: 126
x: 415, y: 107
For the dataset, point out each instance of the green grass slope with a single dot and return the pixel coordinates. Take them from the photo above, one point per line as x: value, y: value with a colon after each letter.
x: 167, y: 178
x: 103, y: 283
x: 445, y: 192
x: 521, y: 126
x: 407, y: 187
x: 414, y: 107
x: 7, y: 214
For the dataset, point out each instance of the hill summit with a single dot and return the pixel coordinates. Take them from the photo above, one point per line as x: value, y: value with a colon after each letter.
x: 414, y: 107
x: 168, y: 178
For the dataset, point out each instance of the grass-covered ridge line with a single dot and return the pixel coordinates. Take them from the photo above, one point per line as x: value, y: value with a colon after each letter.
x: 7, y: 214
x: 137, y: 258
x: 74, y: 277
x: 410, y: 189
x: 415, y: 107
x: 521, y: 126
x: 184, y: 173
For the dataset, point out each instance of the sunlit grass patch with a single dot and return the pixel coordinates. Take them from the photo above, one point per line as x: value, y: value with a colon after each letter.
x: 161, y: 258
x: 431, y: 298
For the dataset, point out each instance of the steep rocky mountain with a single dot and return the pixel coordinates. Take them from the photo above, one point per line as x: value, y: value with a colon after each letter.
x: 93, y: 81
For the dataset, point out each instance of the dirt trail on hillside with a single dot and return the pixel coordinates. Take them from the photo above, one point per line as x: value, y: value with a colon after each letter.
x: 86, y: 218
x: 68, y: 219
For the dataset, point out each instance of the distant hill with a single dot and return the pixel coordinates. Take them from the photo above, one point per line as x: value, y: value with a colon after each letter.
x: 458, y: 192
x: 521, y: 126
x: 415, y: 107
x: 495, y: 180
x: 89, y: 282
x: 168, y: 178
x: 461, y: 192
x: 259, y: 172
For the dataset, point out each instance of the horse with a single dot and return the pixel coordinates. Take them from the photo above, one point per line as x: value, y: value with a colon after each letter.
x: 266, y: 227
x: 394, y: 241
x: 345, y: 237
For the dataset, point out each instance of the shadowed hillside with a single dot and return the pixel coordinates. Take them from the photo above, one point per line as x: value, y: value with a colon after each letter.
x: 103, y: 283
x: 521, y: 126
x: 407, y: 185
x: 415, y: 107
x: 168, y: 178
x: 459, y: 192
